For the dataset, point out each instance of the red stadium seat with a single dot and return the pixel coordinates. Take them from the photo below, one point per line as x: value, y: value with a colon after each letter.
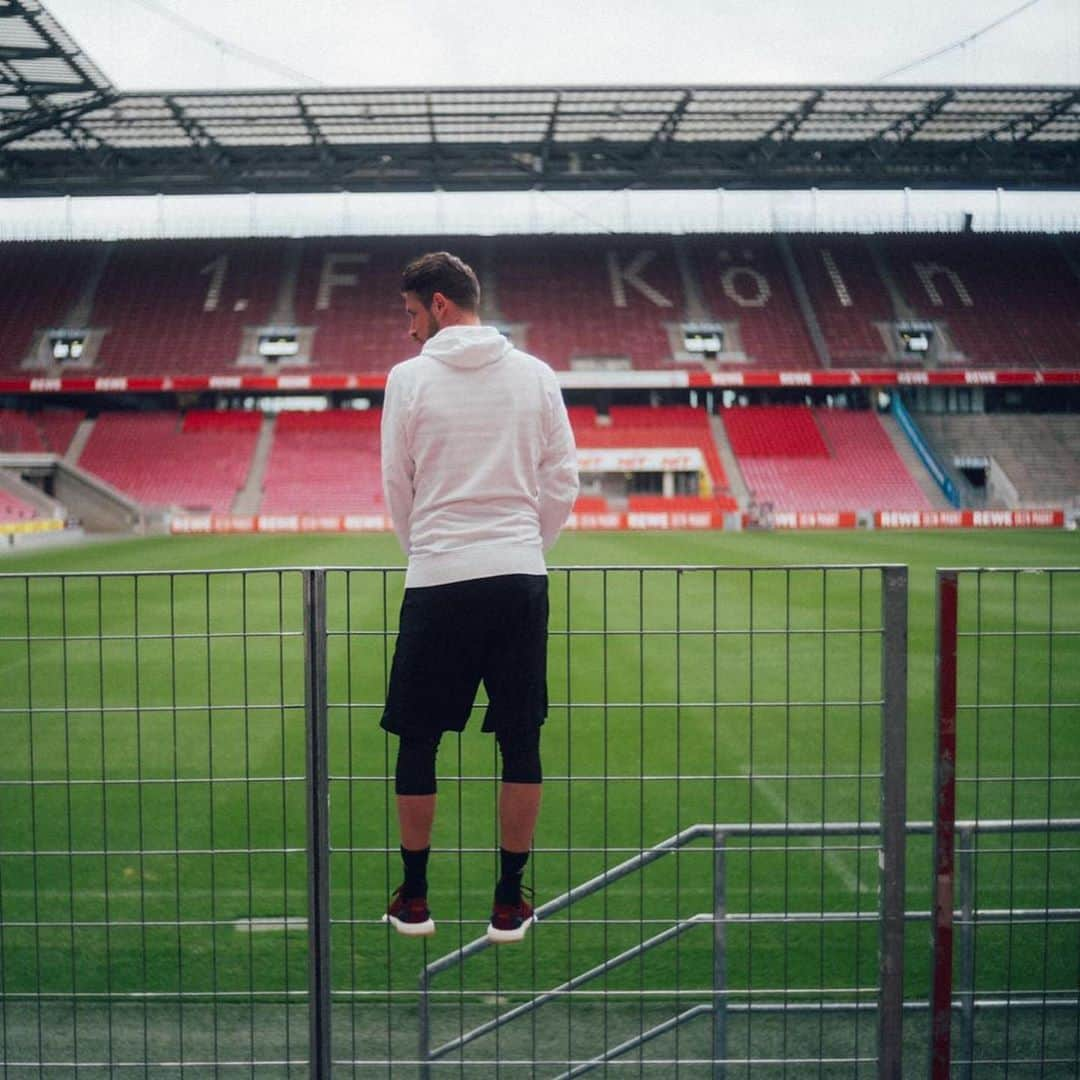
x: 58, y: 427
x: 591, y: 504
x: 166, y: 308
x: 154, y: 459
x: 40, y: 284
x: 651, y: 503
x: 1006, y: 301
x: 592, y: 298
x: 774, y: 431
x: 744, y: 282
x: 19, y: 434
x: 861, y: 469
x: 189, y: 306
x: 13, y: 509
x: 849, y: 299
x: 324, y: 463
x: 220, y: 420
x: 641, y: 427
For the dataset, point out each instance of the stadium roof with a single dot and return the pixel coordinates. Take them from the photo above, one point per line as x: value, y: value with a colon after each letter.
x: 46, y: 83
x: 94, y: 141
x: 64, y: 130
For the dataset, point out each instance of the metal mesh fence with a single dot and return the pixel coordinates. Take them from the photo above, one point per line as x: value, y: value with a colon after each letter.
x: 153, y: 882
x: 708, y: 860
x: 197, y: 834
x: 1007, y: 859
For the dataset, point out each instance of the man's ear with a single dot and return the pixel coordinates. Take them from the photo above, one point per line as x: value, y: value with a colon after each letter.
x: 438, y: 304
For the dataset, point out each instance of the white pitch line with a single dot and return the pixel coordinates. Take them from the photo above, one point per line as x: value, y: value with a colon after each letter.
x: 124, y: 894
x: 832, y: 860
x: 262, y: 924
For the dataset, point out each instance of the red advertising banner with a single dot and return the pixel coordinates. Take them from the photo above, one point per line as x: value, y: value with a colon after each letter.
x: 618, y: 520
x: 814, y: 519
x: 278, y: 523
x: 305, y: 523
x: 969, y: 519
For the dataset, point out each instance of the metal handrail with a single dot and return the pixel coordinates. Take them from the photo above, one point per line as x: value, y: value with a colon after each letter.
x: 967, y: 917
x: 717, y: 832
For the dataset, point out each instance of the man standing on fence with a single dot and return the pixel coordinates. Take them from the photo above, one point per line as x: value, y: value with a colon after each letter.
x: 479, y: 471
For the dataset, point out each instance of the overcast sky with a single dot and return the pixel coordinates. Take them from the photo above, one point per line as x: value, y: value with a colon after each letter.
x: 551, y: 42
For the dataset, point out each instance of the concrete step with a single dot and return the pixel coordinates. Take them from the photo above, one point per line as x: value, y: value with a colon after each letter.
x: 11, y: 482
x: 736, y: 482
x: 249, y: 497
x: 913, y: 463
x: 79, y: 441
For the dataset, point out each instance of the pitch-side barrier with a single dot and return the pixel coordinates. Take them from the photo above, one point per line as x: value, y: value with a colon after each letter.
x: 197, y: 834
x: 623, y: 520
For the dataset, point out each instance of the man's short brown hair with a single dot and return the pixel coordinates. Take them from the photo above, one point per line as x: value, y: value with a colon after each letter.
x: 439, y: 271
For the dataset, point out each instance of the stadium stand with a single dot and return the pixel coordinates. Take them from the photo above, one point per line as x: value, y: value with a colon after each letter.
x: 13, y: 509
x: 582, y: 416
x: 791, y: 457
x: 1039, y: 454
x: 219, y: 420
x: 162, y: 307
x: 324, y: 463
x: 649, y: 503
x: 348, y: 290
x: 46, y: 431
x: 641, y: 427
x: 592, y: 300
x: 848, y: 297
x: 19, y: 434
x: 181, y: 306
x: 860, y: 470
x: 40, y: 284
x: 1006, y: 301
x: 774, y: 431
x: 58, y: 427
x: 591, y: 504
x: 744, y: 284
x: 198, y: 462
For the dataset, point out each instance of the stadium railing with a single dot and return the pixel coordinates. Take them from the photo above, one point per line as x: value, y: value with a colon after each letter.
x: 1005, y: 991
x: 197, y: 835
x: 926, y: 454
x: 681, y: 697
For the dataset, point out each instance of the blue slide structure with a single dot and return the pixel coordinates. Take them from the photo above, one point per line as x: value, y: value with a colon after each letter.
x: 922, y: 448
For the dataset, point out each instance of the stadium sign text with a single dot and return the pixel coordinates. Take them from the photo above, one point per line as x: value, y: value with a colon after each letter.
x: 617, y: 521
x: 570, y: 380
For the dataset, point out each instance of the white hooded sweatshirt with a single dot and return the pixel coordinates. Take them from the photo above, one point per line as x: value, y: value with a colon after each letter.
x: 479, y: 467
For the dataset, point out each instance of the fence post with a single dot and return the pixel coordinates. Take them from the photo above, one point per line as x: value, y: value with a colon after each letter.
x: 967, y: 950
x: 944, y: 828
x: 893, y: 816
x: 318, y: 832
x: 424, y: 1025
x: 719, y: 1047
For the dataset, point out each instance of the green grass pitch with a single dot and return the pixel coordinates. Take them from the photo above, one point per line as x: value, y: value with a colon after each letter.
x: 168, y: 813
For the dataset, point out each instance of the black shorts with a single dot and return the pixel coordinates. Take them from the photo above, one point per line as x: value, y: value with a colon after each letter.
x: 452, y: 636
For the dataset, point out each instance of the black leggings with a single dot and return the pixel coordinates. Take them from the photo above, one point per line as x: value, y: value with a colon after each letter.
x: 415, y: 771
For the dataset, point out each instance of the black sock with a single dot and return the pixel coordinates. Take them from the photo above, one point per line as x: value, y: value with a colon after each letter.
x: 415, y: 872
x: 512, y: 866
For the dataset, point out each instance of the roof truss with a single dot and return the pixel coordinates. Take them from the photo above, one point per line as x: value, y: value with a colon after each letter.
x: 513, y: 138
x: 46, y: 82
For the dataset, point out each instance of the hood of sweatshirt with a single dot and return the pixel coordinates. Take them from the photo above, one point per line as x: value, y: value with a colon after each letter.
x: 467, y: 346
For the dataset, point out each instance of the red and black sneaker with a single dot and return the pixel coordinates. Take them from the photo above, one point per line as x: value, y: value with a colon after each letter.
x: 410, y: 917
x: 509, y: 922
